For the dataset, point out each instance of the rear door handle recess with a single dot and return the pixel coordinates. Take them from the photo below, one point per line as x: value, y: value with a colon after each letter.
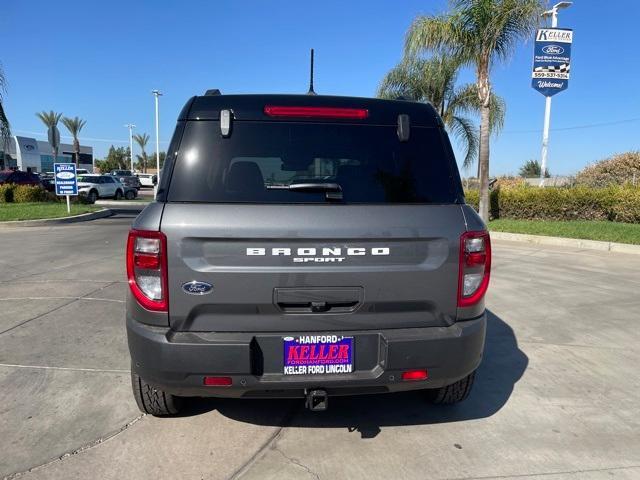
x: 318, y: 299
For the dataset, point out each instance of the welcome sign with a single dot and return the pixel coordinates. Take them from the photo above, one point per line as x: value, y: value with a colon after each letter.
x: 552, y: 60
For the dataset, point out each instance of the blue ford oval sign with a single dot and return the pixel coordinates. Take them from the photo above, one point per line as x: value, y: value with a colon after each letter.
x: 197, y: 288
x: 65, y: 175
x: 553, y: 50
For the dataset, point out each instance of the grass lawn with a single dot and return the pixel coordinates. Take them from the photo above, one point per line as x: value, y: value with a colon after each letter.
x: 32, y: 211
x: 588, y: 230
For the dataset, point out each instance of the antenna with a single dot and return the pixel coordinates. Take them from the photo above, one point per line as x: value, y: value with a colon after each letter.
x: 311, y: 91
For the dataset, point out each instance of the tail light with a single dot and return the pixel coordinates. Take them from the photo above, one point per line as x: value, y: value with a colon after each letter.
x: 147, y: 269
x: 316, y: 112
x: 475, y: 267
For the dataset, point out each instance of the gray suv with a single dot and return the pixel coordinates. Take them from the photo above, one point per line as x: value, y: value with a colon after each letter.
x: 306, y: 246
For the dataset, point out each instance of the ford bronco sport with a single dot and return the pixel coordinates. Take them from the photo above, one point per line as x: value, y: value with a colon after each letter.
x: 306, y: 246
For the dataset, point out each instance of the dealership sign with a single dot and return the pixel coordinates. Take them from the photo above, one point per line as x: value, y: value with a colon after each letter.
x: 551, y: 60
x: 65, y: 178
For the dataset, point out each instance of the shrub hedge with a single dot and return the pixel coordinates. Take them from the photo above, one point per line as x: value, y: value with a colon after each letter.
x: 616, y: 170
x: 11, y: 193
x: 615, y: 203
x: 6, y: 193
x: 29, y: 194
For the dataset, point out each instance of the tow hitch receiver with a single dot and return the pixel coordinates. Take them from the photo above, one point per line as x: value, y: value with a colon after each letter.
x: 317, y: 400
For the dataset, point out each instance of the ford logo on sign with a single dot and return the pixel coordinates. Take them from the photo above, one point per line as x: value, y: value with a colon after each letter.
x: 197, y: 288
x: 553, y: 50
x: 65, y: 175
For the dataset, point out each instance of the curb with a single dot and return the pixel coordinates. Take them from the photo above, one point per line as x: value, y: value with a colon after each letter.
x: 567, y: 242
x: 43, y: 222
x: 121, y: 203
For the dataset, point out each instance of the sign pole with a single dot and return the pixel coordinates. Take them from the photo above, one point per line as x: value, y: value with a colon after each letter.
x: 545, y: 139
x: 68, y: 206
x: 547, y: 113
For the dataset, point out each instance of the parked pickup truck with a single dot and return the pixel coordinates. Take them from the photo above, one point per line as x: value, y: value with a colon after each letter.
x: 126, y: 177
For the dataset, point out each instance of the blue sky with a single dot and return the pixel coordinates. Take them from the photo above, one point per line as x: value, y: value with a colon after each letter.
x: 100, y: 60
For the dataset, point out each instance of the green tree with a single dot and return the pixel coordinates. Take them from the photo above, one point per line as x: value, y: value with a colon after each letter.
x: 152, y: 159
x: 117, y: 159
x: 5, y: 130
x: 531, y: 169
x: 74, y: 125
x: 434, y: 80
x: 50, y: 119
x: 142, y: 141
x: 478, y: 33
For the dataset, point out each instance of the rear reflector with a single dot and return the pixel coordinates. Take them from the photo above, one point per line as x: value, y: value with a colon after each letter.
x: 217, y: 381
x: 414, y: 375
x: 316, y: 112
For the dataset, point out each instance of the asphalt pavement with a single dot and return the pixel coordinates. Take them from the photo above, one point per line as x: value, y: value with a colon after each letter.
x: 556, y: 397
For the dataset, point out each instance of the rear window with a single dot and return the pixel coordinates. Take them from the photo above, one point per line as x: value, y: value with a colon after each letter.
x: 258, y: 162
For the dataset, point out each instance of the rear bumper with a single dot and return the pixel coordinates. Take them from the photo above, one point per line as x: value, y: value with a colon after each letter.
x: 177, y: 361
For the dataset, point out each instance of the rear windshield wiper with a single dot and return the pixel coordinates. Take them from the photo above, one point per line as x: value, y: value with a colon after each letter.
x: 333, y: 191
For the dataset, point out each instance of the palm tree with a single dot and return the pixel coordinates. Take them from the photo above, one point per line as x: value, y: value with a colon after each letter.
x: 434, y: 80
x: 74, y: 125
x: 50, y: 120
x: 477, y: 33
x: 5, y: 130
x: 142, y: 141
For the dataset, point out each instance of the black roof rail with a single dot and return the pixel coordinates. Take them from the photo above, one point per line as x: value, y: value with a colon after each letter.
x: 212, y: 93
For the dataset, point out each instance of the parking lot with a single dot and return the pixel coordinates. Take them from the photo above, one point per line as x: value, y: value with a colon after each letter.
x: 556, y: 396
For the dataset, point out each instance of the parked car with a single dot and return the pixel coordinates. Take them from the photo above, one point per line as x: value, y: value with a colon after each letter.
x: 369, y: 276
x: 147, y: 179
x: 126, y: 177
x: 19, y: 177
x: 48, y: 181
x: 100, y: 186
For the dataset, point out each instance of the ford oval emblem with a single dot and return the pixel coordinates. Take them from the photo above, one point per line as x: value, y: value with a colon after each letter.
x: 553, y: 50
x: 65, y: 175
x: 197, y: 288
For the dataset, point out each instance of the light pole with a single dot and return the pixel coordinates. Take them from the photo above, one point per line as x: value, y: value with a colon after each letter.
x: 157, y: 94
x: 553, y: 13
x: 130, y: 126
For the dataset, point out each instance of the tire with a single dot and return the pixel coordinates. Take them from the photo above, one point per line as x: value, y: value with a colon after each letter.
x: 152, y: 400
x: 92, y: 196
x: 130, y: 195
x: 451, y: 394
x: 118, y: 195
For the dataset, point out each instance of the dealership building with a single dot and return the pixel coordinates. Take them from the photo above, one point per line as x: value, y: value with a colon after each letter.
x: 28, y: 153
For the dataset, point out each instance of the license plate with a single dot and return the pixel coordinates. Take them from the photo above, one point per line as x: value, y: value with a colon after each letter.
x: 318, y: 355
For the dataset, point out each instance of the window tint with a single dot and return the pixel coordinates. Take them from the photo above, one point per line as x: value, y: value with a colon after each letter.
x: 260, y: 159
